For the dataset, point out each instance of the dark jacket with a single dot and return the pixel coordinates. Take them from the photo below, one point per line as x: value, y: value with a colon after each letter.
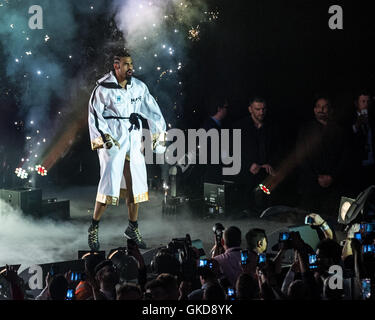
x: 322, y: 150
x: 261, y: 146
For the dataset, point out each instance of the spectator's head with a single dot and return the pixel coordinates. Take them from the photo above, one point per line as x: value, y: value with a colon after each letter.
x: 128, y: 291
x: 126, y: 266
x: 170, y: 284
x: 58, y: 287
x: 257, y: 109
x: 165, y: 262
x: 298, y: 290
x: 219, y: 106
x: 106, y: 275
x: 322, y: 108
x: 362, y: 100
x: 232, y: 237
x: 213, y: 291
x: 206, y: 274
x: 328, y: 253
x: 246, y: 287
x: 156, y: 290
x: 256, y: 240
x: 91, y: 261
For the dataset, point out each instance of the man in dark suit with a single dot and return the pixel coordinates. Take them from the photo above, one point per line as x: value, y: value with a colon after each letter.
x: 219, y: 105
x: 325, y: 160
x: 363, y: 126
x: 259, y: 149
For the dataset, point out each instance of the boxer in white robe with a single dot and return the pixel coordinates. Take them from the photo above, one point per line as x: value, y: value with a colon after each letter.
x: 116, y: 133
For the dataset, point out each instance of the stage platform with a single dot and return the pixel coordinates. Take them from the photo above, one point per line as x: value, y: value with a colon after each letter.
x: 29, y: 241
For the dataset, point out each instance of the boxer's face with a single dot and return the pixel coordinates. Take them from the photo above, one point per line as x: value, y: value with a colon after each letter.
x: 124, y: 68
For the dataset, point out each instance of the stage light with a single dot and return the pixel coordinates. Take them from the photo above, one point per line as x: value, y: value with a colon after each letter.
x: 359, y: 210
x: 21, y: 173
x: 41, y: 170
x: 345, y: 204
x: 264, y: 189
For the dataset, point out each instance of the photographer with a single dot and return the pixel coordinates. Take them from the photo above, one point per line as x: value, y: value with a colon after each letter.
x: 230, y: 260
x: 300, y: 266
x: 256, y: 240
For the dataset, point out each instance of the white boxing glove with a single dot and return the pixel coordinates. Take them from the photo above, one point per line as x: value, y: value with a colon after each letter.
x: 159, y: 144
x: 110, y: 142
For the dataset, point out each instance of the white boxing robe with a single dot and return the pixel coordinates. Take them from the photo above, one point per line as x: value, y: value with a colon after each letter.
x: 109, y: 99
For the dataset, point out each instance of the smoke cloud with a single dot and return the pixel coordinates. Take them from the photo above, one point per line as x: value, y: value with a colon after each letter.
x: 157, y: 34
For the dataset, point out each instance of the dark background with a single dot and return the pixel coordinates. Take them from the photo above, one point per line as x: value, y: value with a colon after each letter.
x: 282, y: 50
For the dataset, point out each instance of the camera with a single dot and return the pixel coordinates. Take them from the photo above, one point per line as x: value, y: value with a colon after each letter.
x: 366, y: 288
x: 182, y: 249
x: 218, y: 230
x: 244, y: 256
x: 312, y: 261
x: 70, y: 294
x: 205, y: 263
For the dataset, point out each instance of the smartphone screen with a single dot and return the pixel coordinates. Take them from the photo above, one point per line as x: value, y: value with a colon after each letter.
x: 284, y: 236
x: 202, y: 262
x: 358, y: 236
x: 261, y: 258
x: 312, y: 261
x: 309, y: 220
x: 366, y: 288
x: 244, y: 256
x: 70, y: 294
x: 76, y: 276
x: 230, y: 293
x: 368, y: 248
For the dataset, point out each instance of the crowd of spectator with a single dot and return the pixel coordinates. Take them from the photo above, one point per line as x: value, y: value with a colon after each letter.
x: 236, y: 270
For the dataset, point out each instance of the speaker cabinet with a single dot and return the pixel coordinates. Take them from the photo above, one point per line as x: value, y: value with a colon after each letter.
x: 28, y: 200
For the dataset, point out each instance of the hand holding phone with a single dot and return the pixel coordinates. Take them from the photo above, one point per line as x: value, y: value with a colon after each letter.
x: 312, y: 261
x: 70, y: 295
x: 366, y: 288
x: 261, y: 258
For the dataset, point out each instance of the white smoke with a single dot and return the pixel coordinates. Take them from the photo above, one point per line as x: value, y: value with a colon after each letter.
x: 24, y: 239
